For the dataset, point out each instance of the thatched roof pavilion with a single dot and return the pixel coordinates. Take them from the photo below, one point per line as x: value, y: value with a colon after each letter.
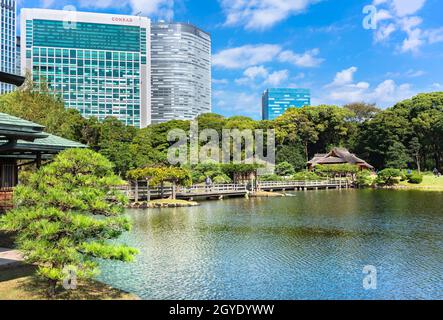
x: 338, y: 156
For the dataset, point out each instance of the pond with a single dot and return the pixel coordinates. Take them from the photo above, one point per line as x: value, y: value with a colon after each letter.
x: 311, y: 245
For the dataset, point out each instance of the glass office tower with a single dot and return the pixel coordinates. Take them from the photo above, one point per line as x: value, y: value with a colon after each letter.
x: 98, y: 63
x: 7, y: 41
x: 276, y: 101
x: 181, y: 71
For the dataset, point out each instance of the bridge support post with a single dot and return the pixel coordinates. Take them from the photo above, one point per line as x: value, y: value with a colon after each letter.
x: 136, y: 191
x: 220, y: 198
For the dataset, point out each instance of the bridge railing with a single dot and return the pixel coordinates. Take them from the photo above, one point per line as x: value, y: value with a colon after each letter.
x: 316, y: 183
x: 142, y: 191
x: 214, y: 188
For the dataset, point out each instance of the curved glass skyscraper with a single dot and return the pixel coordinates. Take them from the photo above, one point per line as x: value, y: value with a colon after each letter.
x: 180, y: 71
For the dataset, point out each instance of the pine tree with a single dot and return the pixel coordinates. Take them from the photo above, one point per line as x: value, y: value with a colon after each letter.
x: 65, y: 212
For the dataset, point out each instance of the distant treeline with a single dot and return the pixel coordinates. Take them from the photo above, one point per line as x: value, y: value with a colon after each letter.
x: 407, y: 135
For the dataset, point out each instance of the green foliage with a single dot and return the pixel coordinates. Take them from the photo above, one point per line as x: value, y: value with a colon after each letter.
x: 220, y: 179
x: 39, y: 105
x: 388, y: 177
x: 415, y: 178
x: 270, y: 177
x: 55, y: 216
x: 306, y: 176
x: 284, y: 169
x: 292, y: 154
x: 364, y: 179
x: 362, y: 111
x: 157, y: 176
x: 410, y: 133
x: 336, y: 169
x: 397, y: 156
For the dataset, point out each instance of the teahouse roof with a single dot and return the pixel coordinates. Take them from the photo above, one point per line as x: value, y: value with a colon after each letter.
x: 338, y: 156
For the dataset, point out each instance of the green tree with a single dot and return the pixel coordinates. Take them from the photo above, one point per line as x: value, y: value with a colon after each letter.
x: 284, y: 169
x: 388, y: 177
x: 38, y: 104
x: 362, y: 111
x: 293, y: 154
x: 397, y: 156
x: 55, y: 216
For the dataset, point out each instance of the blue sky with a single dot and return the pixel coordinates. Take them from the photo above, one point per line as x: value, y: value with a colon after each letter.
x: 317, y: 44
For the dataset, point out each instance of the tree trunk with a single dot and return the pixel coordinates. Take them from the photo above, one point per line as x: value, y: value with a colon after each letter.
x: 417, y: 160
x: 136, y: 191
x: 52, y: 287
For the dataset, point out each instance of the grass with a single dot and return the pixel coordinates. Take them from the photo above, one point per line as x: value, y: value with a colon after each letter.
x: 20, y: 284
x: 430, y: 183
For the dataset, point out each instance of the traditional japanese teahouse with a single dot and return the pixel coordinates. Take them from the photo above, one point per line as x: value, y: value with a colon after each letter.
x: 338, y: 156
x: 23, y: 143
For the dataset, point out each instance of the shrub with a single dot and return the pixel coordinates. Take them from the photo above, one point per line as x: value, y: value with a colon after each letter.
x: 221, y: 179
x: 306, y: 176
x: 270, y: 177
x: 284, y: 169
x: 364, y: 179
x: 415, y: 178
x: 388, y: 177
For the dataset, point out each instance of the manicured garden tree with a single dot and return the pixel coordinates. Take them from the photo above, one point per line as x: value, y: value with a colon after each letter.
x: 364, y: 179
x: 284, y: 169
x: 388, y: 177
x: 306, y: 176
x: 65, y: 212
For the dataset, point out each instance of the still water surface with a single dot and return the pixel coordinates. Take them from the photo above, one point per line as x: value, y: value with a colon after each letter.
x: 312, y: 245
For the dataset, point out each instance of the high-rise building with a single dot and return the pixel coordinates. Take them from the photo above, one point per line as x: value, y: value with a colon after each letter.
x: 7, y: 40
x: 98, y: 63
x: 181, y: 71
x: 276, y: 101
x: 18, y: 65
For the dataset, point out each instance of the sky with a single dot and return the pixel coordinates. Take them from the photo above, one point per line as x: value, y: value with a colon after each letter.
x: 376, y: 51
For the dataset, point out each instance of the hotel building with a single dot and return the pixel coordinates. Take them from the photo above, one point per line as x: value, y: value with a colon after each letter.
x: 98, y: 63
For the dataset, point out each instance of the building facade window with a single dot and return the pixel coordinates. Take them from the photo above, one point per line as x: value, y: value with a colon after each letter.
x: 276, y: 101
x: 98, y: 66
x: 181, y: 72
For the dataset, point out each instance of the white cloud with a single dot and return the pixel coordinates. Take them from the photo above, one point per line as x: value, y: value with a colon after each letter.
x: 434, y: 35
x: 260, y: 76
x: 343, y: 90
x: 344, y: 77
x: 253, y: 55
x: 278, y: 77
x: 400, y: 16
x: 162, y: 8
x: 245, y: 56
x: 407, y: 7
x: 384, y: 32
x: 261, y: 14
x: 254, y: 72
x: 308, y: 59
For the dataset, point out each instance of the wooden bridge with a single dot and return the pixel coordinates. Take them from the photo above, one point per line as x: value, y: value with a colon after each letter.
x: 141, y: 191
